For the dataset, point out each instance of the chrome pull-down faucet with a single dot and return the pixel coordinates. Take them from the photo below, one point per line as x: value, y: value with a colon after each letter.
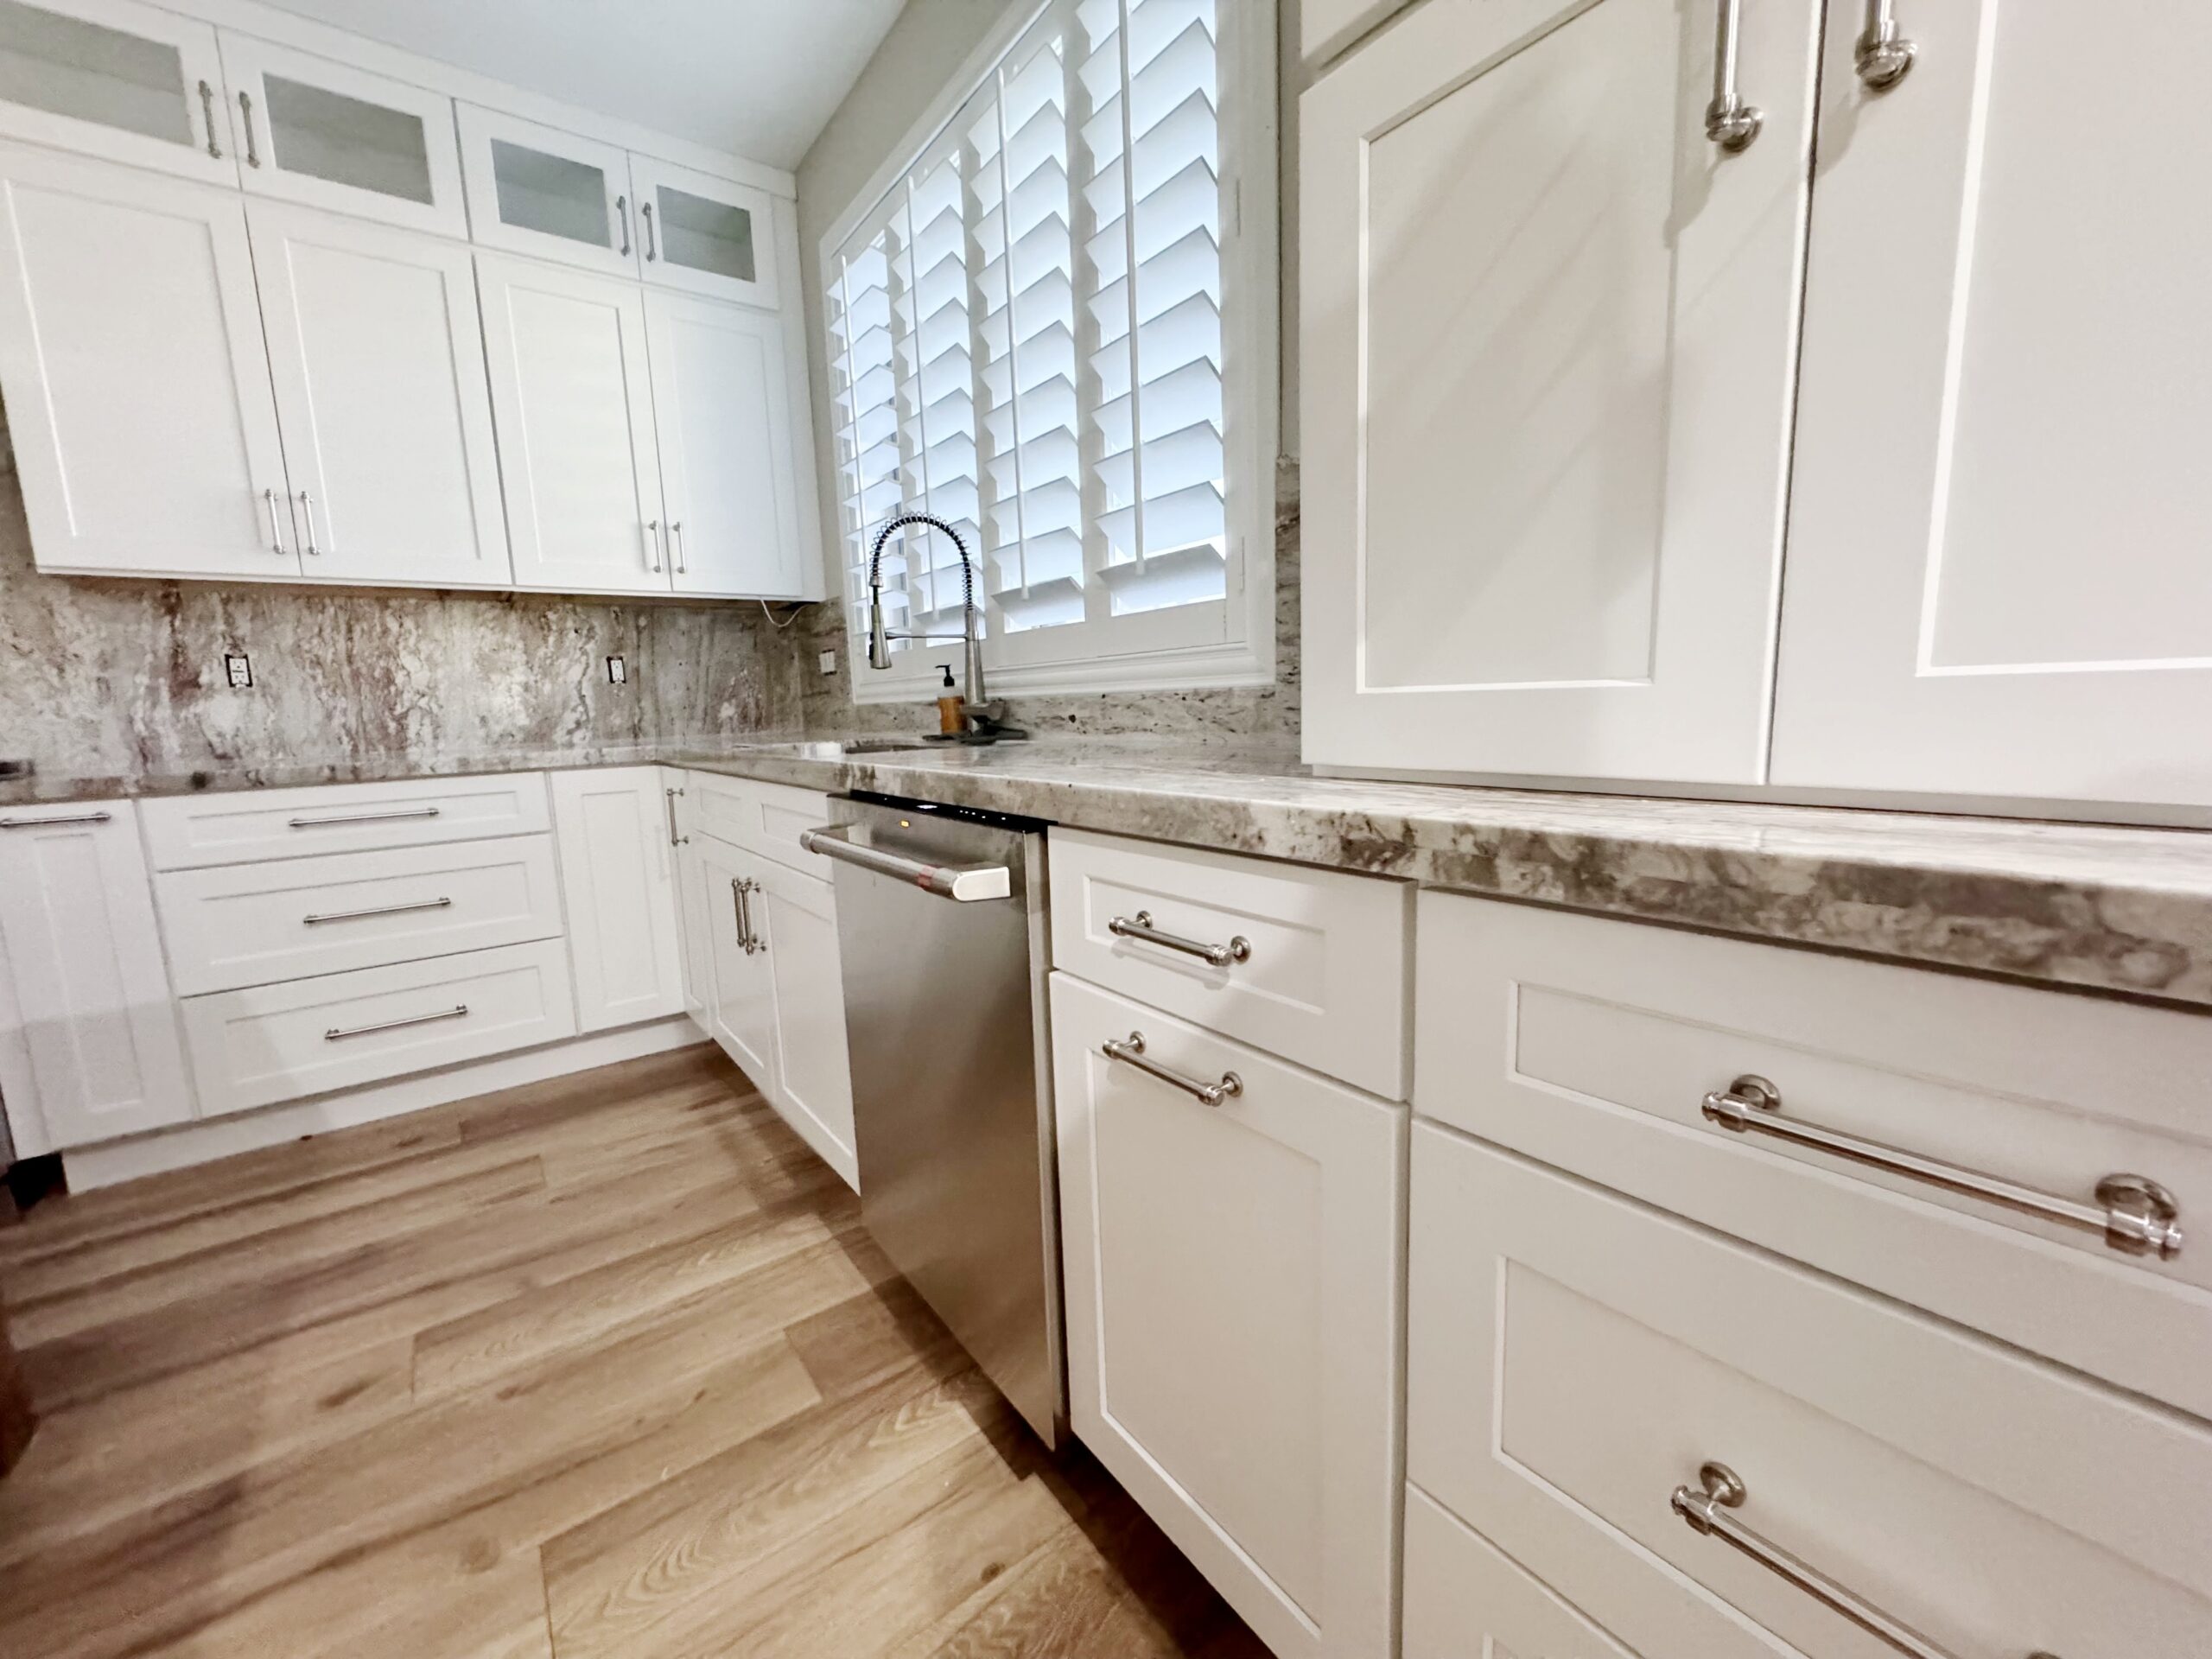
x: 984, y: 715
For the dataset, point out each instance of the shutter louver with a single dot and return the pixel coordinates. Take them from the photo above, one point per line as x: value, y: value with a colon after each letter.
x: 1027, y: 340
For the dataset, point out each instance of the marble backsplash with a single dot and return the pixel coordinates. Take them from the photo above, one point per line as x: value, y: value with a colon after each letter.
x: 117, y: 678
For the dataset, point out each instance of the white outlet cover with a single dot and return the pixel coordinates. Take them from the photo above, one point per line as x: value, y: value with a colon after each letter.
x: 828, y: 660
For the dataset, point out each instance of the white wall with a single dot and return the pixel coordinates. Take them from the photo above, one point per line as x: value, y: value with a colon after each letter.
x: 925, y: 50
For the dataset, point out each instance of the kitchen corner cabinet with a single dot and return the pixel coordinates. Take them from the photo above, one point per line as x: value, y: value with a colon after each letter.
x: 140, y: 404
x: 379, y: 360
x: 112, y: 78
x: 100, y: 1054
x: 1998, y: 578
x: 742, y: 1015
x: 1549, y: 331
x: 618, y: 880
x: 1233, y: 1287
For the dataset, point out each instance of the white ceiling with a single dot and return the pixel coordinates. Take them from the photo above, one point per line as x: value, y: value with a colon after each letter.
x: 757, y: 77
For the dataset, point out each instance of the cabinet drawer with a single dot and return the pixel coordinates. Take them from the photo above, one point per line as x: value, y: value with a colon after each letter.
x: 231, y: 925
x: 186, y: 832
x: 1591, y: 1044
x: 1319, y: 973
x: 281, y: 1042
x: 1233, y: 1331
x: 1574, y: 1358
x: 1463, y: 1598
x: 764, y: 818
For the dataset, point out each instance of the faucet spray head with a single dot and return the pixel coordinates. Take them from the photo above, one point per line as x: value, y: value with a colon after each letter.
x: 879, y: 638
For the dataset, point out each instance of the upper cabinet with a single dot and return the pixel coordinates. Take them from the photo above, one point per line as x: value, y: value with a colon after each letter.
x: 538, y: 190
x: 116, y: 79
x: 1997, y: 580
x: 325, y: 134
x: 139, y: 402
x: 1549, y: 335
x: 704, y: 234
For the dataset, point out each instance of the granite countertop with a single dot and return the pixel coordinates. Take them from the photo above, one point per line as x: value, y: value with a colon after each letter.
x: 2090, y: 906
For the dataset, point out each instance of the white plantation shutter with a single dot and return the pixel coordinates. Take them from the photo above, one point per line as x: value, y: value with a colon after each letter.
x: 1027, y: 339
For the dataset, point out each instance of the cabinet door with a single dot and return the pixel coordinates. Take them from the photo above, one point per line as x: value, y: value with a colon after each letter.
x: 1233, y: 1283
x: 722, y: 407
x: 138, y: 392
x: 1997, y: 582
x: 814, y: 1073
x: 538, y: 190
x: 378, y: 360
x: 77, y: 923
x: 112, y: 78
x: 617, y: 874
x: 744, y: 1018
x: 704, y: 234
x: 312, y: 130
x: 691, y: 901
x: 579, y: 459
x: 1550, y: 338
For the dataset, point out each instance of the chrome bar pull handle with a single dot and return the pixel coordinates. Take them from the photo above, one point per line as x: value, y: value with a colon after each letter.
x: 207, y: 114
x: 246, y: 108
x: 741, y: 889
x: 622, y: 218
x: 365, y: 817
x: 1131, y: 1052
x: 669, y: 801
x: 1239, y: 949
x: 276, y: 530
x: 645, y: 213
x: 336, y: 1034
x: 318, y: 919
x: 1729, y: 121
x: 653, y: 544
x: 963, y: 883
x: 2133, y: 1214
x: 676, y: 545
x: 307, y: 513
x: 40, y: 823
x: 1882, y: 55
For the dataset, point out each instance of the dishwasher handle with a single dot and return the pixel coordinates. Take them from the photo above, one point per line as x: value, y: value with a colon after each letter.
x: 964, y: 883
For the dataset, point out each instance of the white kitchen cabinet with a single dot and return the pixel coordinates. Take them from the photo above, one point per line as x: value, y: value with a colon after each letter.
x: 579, y: 455
x: 680, y: 804
x: 139, y: 400
x: 325, y: 134
x: 1998, y: 582
x: 116, y: 79
x: 98, y: 1031
x: 1232, y: 1286
x: 1464, y: 1598
x: 1549, y: 335
x: 723, y: 411
x: 703, y: 234
x: 618, y: 876
x: 743, y: 1013
x: 797, y: 916
x: 378, y: 360
x: 537, y: 190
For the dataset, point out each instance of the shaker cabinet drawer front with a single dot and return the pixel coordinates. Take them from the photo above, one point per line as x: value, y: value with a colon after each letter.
x: 1307, y: 963
x: 1463, y: 1598
x: 258, y: 825
x: 232, y: 925
x: 284, y: 1042
x: 1594, y: 1046
x: 1583, y: 1372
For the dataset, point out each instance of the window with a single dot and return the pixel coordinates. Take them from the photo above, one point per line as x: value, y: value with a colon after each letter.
x: 1056, y: 332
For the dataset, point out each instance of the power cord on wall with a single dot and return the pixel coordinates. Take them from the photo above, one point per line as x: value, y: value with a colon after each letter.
x: 780, y: 626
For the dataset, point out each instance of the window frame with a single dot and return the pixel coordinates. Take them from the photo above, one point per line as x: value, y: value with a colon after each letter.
x: 1246, y: 46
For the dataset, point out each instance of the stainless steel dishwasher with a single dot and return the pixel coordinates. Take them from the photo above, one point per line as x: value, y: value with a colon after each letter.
x: 941, y: 923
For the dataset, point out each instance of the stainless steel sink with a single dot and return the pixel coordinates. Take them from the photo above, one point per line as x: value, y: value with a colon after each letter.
x: 881, y: 746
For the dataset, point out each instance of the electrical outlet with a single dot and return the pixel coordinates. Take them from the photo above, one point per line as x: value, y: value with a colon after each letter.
x: 828, y: 660
x: 238, y: 669
x: 618, y: 671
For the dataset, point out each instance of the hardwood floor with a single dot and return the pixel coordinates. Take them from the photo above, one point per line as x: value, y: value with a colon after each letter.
x: 601, y: 1369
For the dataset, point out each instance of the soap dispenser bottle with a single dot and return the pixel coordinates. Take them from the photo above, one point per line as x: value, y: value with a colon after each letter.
x: 951, y: 711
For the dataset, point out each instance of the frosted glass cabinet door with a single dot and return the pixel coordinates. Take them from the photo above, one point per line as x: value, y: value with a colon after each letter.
x: 312, y: 130
x: 538, y: 190
x: 379, y: 360
x: 1999, y: 582
x: 721, y: 405
x: 138, y: 393
x: 704, y: 234
x: 116, y: 79
x: 1549, y: 333
x: 578, y: 457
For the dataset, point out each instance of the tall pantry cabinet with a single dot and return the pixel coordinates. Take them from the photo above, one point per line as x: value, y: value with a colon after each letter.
x: 1656, y: 438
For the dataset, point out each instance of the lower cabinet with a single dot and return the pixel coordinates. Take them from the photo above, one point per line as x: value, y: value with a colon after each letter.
x: 617, y: 838
x: 1232, y: 1289
x: 1464, y: 1598
x: 96, y: 1052
x: 742, y: 1012
x: 796, y: 917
